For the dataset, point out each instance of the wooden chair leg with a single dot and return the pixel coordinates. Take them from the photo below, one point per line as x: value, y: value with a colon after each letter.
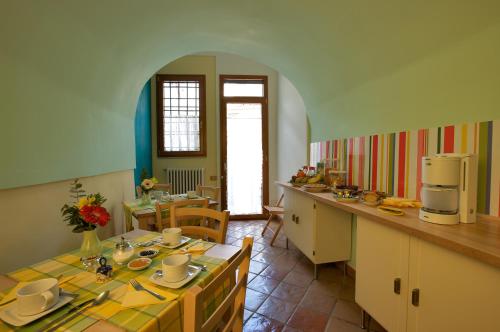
x: 267, y: 224
x: 276, y: 232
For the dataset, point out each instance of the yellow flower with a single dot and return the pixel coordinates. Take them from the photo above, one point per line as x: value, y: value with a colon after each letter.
x: 85, y: 201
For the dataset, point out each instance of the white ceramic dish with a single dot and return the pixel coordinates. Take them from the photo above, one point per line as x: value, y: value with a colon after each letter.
x: 151, y: 253
x: 9, y: 312
x: 142, y: 267
x: 184, y: 239
x: 193, y: 271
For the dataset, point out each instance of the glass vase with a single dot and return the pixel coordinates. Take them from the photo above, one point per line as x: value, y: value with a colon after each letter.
x: 146, y: 198
x: 90, y: 251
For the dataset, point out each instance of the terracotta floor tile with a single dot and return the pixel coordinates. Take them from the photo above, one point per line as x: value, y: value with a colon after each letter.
x: 374, y: 326
x: 291, y: 329
x: 254, y: 299
x: 289, y: 292
x: 318, y: 301
x: 298, y: 279
x: 259, y: 323
x: 308, y: 320
x: 347, y: 293
x: 304, y: 268
x: 276, y: 309
x: 257, y: 267
x: 275, y: 272
x: 230, y: 239
x: 250, y: 277
x: 326, y: 288
x: 246, y: 315
x: 338, y: 325
x: 265, y: 257
x: 258, y: 246
x: 348, y: 311
x: 263, y: 284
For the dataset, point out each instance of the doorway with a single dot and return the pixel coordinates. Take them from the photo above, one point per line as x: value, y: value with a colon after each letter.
x: 244, y: 145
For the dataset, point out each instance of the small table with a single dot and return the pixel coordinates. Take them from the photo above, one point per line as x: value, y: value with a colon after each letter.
x: 111, y: 316
x: 146, y: 214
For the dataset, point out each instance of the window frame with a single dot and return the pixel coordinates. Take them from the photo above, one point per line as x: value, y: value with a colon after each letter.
x: 160, y: 134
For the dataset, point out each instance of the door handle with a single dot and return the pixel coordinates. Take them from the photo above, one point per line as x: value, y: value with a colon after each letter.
x: 397, y: 285
x: 415, y: 297
x: 297, y: 220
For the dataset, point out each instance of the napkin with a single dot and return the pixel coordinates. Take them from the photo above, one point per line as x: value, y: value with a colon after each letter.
x: 133, y: 298
x: 10, y: 296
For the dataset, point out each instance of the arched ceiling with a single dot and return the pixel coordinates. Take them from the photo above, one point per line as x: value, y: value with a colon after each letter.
x: 60, y: 59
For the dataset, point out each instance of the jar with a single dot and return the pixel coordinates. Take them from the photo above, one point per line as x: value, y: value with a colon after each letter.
x: 123, y: 252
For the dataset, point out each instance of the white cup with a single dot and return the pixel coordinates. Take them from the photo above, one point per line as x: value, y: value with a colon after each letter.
x: 37, y: 296
x: 175, y: 267
x: 172, y: 236
x: 191, y: 194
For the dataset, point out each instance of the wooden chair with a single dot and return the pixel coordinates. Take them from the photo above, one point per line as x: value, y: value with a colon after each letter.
x: 208, y: 191
x: 218, y: 235
x: 158, y: 186
x: 232, y: 304
x: 274, y: 211
x: 162, y: 223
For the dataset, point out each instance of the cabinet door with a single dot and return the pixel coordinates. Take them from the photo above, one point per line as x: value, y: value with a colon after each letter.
x: 332, y: 234
x: 304, y: 211
x: 382, y: 257
x: 456, y: 293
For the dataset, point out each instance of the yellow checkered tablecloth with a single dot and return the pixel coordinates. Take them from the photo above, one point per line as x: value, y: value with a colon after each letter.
x: 157, y: 317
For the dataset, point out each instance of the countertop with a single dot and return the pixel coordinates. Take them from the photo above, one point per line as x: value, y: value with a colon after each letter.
x: 480, y: 240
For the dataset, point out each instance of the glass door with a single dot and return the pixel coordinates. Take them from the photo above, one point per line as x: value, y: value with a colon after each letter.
x: 244, y: 147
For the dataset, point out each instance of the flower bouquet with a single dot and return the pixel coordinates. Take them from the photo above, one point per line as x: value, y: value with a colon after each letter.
x: 147, y: 185
x: 84, y: 214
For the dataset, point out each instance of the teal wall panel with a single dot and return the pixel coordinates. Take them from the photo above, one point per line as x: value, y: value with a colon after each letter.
x: 143, y: 158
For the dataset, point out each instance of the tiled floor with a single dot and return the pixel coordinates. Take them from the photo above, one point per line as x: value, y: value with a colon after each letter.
x: 282, y: 295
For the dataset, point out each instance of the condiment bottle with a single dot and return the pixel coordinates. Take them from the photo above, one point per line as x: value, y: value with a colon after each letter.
x: 123, y: 252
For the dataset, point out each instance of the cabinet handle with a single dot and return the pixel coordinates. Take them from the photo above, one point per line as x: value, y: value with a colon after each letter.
x: 415, y: 296
x: 293, y: 217
x: 397, y: 285
x: 297, y: 220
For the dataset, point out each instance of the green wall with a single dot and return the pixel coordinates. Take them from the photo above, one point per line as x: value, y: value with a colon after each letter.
x: 71, y: 71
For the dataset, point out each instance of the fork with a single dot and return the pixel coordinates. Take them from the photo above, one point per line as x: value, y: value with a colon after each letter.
x: 138, y: 287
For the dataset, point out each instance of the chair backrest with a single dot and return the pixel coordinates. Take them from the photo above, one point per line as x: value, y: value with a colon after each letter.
x: 280, y: 200
x: 235, y: 300
x: 218, y: 235
x: 162, y: 222
x: 212, y: 192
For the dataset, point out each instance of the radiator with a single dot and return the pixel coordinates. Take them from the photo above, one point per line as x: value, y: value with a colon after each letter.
x: 183, y: 180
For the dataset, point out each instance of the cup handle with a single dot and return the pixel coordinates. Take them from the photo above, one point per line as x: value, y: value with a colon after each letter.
x: 49, y: 298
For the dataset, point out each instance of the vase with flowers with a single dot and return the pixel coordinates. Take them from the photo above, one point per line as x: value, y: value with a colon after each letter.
x: 147, y: 185
x: 84, y: 215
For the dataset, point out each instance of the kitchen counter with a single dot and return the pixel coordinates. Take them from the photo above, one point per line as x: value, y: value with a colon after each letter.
x: 480, y: 241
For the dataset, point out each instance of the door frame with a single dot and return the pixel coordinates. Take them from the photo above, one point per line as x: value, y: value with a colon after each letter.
x: 223, y: 101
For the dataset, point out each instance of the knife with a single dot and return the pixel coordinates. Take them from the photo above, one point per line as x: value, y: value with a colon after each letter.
x: 70, y: 311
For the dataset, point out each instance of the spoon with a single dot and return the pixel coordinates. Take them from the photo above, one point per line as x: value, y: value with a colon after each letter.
x: 97, y: 301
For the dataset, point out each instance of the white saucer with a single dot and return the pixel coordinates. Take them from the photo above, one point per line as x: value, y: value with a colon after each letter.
x: 193, y: 271
x: 9, y: 313
x: 184, y: 239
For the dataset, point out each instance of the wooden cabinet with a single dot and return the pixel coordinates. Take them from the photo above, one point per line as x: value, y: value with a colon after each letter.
x: 382, y: 273
x: 321, y: 232
x: 440, y: 290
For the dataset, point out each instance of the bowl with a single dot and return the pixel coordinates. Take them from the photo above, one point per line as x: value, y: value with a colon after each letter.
x: 139, y: 263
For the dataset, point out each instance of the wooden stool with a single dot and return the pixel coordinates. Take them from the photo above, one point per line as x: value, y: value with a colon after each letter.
x: 273, y: 211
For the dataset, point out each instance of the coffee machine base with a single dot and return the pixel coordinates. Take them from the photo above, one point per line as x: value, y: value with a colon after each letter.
x: 437, y: 218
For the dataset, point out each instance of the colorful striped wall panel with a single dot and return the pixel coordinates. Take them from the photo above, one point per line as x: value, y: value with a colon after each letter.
x: 391, y: 162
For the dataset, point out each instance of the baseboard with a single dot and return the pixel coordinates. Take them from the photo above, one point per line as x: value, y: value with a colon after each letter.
x: 350, y: 271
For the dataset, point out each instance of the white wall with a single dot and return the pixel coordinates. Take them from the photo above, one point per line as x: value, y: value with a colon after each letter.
x: 292, y: 140
x: 31, y: 226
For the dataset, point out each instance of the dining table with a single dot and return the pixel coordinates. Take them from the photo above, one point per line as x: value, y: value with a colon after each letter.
x: 146, y: 213
x: 114, y: 314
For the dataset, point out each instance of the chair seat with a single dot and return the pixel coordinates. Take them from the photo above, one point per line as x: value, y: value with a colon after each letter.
x: 275, y: 209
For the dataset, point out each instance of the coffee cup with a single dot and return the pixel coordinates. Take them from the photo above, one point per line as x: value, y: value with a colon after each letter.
x: 191, y: 194
x: 37, y: 296
x: 175, y: 267
x: 172, y: 236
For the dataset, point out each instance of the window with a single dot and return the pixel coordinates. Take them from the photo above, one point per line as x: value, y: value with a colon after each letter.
x: 181, y: 115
